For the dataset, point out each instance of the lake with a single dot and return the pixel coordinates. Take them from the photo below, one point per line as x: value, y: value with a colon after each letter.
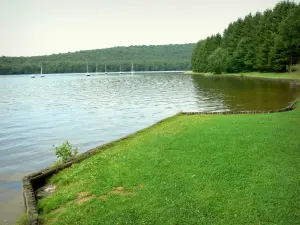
x: 36, y: 114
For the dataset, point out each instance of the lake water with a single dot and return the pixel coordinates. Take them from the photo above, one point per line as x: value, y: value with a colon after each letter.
x: 36, y: 114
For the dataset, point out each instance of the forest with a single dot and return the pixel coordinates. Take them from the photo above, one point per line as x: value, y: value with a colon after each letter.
x: 145, y: 58
x: 265, y: 42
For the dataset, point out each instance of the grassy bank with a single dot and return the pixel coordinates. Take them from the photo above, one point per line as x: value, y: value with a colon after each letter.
x: 212, y: 169
x: 290, y: 76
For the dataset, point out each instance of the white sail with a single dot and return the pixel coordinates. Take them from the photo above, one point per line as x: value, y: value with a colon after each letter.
x: 42, y: 70
x: 87, y: 69
x: 132, y: 69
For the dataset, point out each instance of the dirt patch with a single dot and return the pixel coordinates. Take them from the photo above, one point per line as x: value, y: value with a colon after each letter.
x: 82, y: 195
x: 103, y: 197
x: 140, y: 186
x: 81, y: 198
x: 85, y: 199
x: 117, y: 191
x: 58, y: 210
x: 121, y: 191
x: 51, y: 221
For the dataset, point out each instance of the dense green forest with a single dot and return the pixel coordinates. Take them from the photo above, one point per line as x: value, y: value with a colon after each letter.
x: 145, y: 58
x: 265, y: 42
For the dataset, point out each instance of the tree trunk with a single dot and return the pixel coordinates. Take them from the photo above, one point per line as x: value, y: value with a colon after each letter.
x: 291, y: 61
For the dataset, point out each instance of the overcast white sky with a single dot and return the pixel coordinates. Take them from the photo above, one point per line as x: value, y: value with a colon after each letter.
x: 39, y: 27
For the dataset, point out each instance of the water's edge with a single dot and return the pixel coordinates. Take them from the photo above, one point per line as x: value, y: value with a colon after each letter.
x: 283, y: 79
x: 33, y: 181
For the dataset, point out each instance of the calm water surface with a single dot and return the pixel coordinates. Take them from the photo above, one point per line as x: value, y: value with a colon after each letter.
x: 36, y: 114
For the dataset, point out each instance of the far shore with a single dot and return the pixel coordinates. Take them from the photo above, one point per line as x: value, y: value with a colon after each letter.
x: 291, y: 76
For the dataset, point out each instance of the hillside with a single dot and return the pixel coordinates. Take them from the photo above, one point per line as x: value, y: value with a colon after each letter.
x: 153, y: 57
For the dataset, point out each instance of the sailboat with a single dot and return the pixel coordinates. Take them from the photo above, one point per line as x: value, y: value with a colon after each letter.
x: 120, y: 70
x: 87, y: 69
x: 132, y: 69
x: 42, y: 70
x: 105, y: 70
x: 96, y: 68
x: 33, y: 76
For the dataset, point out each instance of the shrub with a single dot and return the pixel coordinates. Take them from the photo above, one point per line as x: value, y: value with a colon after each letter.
x: 65, y: 152
x: 296, y: 67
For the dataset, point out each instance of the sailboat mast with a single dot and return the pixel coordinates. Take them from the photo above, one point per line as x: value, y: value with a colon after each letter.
x: 96, y: 67
x: 41, y: 68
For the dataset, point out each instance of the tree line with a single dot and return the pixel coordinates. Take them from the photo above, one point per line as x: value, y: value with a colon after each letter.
x: 145, y: 58
x: 265, y: 42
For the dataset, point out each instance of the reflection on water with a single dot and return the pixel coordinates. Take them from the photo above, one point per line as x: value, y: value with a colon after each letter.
x: 36, y: 114
x: 241, y: 93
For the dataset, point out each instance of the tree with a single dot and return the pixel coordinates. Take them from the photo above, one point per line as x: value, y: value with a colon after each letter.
x: 267, y: 41
x: 243, y: 56
x: 218, y: 61
x: 289, y: 31
x: 199, y: 59
x: 163, y: 57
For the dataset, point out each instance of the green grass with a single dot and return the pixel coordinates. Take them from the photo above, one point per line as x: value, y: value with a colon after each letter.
x: 291, y: 76
x: 200, y: 169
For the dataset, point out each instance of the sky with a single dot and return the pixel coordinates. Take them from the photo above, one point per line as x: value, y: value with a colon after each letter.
x: 42, y: 27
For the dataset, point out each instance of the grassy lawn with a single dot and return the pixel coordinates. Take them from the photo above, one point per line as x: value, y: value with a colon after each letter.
x: 293, y: 75
x: 200, y: 169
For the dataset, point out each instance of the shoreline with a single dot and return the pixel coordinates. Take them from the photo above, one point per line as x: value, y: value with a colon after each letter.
x: 38, y: 179
x: 293, y: 77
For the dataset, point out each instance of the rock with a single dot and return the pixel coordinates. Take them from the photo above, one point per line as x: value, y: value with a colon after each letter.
x: 45, y: 190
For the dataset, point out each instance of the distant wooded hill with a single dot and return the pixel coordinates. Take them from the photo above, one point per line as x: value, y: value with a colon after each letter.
x: 145, y: 58
x: 268, y: 41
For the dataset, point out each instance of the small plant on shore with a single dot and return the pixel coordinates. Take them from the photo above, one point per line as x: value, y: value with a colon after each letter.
x: 65, y: 152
